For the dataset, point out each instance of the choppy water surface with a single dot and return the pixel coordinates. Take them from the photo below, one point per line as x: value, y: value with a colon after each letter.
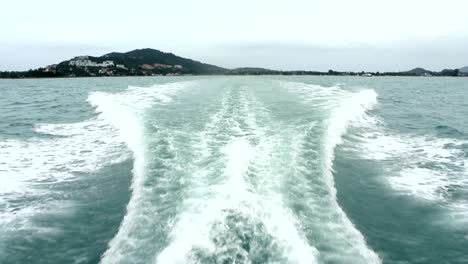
x: 234, y: 170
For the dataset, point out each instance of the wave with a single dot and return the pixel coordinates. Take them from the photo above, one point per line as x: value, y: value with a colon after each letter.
x: 428, y: 167
x: 74, y: 147
x: 316, y: 196
x: 448, y: 131
x: 83, y: 147
x: 33, y: 169
x: 30, y: 168
x: 127, y: 112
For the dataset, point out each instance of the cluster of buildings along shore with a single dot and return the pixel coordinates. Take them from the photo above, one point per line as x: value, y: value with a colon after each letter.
x: 108, y: 67
x: 84, y: 61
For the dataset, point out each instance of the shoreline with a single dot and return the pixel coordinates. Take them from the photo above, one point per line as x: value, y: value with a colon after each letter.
x: 230, y: 75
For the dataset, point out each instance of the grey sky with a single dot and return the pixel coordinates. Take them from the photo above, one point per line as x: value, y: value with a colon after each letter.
x: 294, y: 34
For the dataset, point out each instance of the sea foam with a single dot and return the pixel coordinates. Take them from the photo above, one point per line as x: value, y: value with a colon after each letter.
x: 126, y: 112
x: 315, y: 152
x: 227, y: 216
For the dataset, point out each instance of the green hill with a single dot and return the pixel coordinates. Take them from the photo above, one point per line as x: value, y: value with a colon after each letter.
x: 418, y: 72
x: 136, y: 58
x: 139, y: 62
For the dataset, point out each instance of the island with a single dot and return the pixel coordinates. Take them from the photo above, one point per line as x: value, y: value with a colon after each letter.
x: 152, y: 62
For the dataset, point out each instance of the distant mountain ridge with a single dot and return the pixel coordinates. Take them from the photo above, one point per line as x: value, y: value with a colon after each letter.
x: 252, y: 71
x: 151, y: 62
x: 419, y: 71
x: 444, y: 72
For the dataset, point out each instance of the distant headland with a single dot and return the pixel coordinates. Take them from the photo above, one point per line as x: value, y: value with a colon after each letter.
x: 152, y: 62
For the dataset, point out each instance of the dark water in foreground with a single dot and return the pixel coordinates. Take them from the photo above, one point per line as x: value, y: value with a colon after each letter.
x: 234, y: 170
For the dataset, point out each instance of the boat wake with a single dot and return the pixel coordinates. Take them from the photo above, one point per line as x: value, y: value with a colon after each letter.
x: 311, y: 186
x: 245, y: 188
x: 231, y: 213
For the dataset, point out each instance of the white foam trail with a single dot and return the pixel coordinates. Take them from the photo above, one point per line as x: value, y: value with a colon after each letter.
x: 426, y: 167
x: 213, y: 199
x: 195, y: 224
x: 83, y: 147
x: 126, y: 112
x: 327, y: 98
x: 193, y: 228
x: 350, y: 110
x: 279, y: 221
x: 28, y: 168
x: 326, y: 216
x: 238, y: 154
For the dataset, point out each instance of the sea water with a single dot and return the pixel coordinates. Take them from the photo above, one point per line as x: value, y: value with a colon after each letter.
x: 234, y: 170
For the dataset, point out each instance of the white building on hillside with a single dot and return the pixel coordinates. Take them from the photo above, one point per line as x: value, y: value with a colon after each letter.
x: 106, y: 64
x: 84, y: 61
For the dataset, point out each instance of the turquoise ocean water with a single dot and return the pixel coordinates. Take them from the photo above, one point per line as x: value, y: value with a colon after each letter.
x: 234, y: 170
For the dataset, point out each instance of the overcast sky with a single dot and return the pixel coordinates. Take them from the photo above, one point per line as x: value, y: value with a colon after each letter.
x: 295, y: 34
